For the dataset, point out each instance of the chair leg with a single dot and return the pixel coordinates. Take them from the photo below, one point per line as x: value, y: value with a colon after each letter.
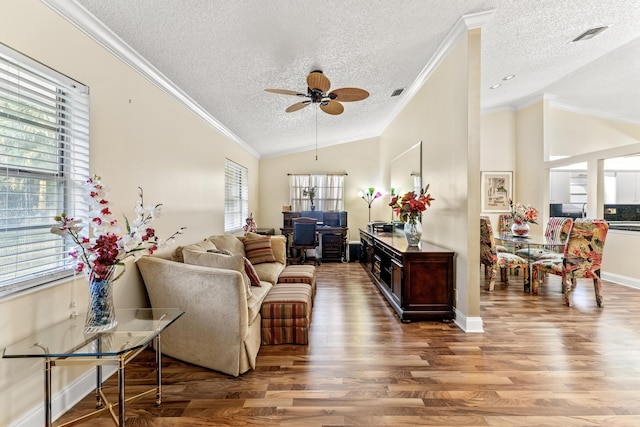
x: 569, y: 287
x: 597, y: 286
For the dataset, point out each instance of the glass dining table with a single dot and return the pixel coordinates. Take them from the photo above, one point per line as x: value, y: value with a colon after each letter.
x: 512, y: 243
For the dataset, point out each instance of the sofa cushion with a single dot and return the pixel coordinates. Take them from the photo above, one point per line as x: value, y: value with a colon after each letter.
x: 258, y: 249
x: 202, y: 246
x: 228, y: 242
x: 255, y: 302
x: 215, y: 260
x: 278, y: 246
x: 269, y: 271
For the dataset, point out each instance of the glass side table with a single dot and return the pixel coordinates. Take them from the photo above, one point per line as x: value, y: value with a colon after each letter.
x: 65, y: 344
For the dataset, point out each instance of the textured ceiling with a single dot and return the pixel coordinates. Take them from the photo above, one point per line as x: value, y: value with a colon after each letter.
x: 223, y: 54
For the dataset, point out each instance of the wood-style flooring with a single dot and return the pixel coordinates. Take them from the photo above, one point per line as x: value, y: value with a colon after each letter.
x: 538, y: 363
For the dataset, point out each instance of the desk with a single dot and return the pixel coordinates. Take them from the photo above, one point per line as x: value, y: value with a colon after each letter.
x: 66, y: 343
x: 333, y: 242
x: 513, y: 243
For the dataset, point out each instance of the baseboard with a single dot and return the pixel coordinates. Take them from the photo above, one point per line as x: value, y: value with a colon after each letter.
x: 468, y: 324
x: 631, y: 282
x: 65, y: 399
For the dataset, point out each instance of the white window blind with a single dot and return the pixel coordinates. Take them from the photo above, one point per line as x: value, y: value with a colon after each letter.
x: 44, y: 155
x: 329, y: 192
x: 236, y: 196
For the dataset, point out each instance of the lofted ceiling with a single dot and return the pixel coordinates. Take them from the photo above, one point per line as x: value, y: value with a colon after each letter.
x: 222, y: 55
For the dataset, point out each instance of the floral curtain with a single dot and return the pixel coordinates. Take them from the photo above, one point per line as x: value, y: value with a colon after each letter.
x: 329, y: 192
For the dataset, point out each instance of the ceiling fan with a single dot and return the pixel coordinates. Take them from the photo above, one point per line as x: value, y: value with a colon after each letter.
x: 317, y: 87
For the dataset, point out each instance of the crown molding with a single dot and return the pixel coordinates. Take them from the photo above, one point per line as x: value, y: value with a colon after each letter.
x: 594, y: 113
x: 89, y: 25
x: 459, y: 30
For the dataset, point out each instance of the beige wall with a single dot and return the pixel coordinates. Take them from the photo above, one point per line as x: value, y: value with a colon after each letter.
x: 444, y: 116
x: 571, y: 133
x: 139, y: 137
x: 359, y: 159
x: 498, y: 141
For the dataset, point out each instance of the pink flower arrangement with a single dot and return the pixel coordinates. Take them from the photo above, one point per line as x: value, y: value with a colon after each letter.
x: 410, y: 206
x: 108, y: 248
x: 523, y: 213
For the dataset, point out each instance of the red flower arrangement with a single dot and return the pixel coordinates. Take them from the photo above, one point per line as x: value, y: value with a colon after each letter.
x: 410, y: 206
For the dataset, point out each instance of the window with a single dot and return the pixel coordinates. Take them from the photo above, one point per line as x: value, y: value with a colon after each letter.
x: 44, y: 153
x: 329, y: 192
x: 236, y: 196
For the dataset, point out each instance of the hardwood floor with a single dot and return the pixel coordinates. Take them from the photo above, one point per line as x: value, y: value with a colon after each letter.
x: 538, y: 363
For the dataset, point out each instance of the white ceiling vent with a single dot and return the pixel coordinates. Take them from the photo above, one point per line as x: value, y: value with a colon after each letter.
x: 591, y: 33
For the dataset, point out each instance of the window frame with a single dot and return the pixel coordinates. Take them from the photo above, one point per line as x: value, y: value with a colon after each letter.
x: 236, y: 196
x: 44, y: 155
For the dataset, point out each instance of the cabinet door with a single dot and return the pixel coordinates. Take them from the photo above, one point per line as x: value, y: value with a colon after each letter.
x: 626, y: 188
x: 397, y: 276
x: 559, y: 187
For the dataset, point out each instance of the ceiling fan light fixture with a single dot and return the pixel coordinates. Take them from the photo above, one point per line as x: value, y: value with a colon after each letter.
x: 590, y: 33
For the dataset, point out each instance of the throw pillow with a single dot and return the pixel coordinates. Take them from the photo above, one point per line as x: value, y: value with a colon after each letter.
x: 278, y: 245
x: 228, y: 242
x: 258, y: 250
x: 251, y: 272
x: 214, y: 260
x: 254, y: 279
x: 200, y: 246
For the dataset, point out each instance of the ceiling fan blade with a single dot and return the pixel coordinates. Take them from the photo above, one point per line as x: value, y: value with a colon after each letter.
x: 349, y: 94
x: 285, y: 92
x: 332, y: 107
x: 297, y: 106
x: 317, y: 80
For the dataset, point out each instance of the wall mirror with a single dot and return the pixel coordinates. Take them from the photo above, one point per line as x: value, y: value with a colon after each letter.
x: 406, y: 170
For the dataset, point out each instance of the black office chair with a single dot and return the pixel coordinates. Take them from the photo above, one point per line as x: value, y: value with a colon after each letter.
x: 305, y: 236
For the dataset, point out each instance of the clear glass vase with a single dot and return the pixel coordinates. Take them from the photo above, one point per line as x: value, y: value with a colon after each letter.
x: 413, y: 232
x: 101, y: 313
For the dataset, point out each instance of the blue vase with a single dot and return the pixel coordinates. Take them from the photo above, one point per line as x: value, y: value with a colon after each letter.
x: 101, y: 313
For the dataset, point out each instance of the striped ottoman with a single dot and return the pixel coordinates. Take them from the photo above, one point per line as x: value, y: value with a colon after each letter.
x: 299, y: 274
x: 286, y: 314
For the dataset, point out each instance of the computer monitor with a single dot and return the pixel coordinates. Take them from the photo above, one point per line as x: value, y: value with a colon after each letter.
x: 318, y: 215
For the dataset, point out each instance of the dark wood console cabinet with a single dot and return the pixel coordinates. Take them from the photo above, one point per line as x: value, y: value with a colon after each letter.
x: 416, y: 281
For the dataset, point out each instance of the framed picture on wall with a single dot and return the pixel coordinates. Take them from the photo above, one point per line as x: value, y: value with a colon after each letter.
x: 497, y: 189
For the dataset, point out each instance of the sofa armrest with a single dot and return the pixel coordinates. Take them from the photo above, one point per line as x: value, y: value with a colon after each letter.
x: 215, y: 322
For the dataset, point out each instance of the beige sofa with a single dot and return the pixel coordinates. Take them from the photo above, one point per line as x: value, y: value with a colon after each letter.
x: 221, y: 326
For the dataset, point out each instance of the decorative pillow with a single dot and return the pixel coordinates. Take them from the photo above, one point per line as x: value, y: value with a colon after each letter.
x: 228, y: 242
x: 251, y: 273
x: 204, y: 245
x: 215, y: 260
x: 278, y: 245
x: 258, y: 249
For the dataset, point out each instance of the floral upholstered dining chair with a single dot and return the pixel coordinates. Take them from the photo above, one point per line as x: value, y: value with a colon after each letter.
x: 492, y: 259
x: 582, y: 259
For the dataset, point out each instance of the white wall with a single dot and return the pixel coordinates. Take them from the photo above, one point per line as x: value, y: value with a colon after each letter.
x: 139, y: 137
